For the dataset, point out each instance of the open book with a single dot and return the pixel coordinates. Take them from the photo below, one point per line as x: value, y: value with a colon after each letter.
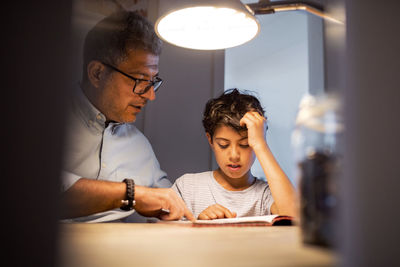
x: 266, y: 220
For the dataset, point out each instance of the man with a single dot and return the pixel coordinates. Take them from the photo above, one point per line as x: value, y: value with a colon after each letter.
x: 110, y: 168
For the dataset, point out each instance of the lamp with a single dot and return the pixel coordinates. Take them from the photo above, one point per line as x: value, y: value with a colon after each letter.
x: 220, y: 24
x: 208, y: 25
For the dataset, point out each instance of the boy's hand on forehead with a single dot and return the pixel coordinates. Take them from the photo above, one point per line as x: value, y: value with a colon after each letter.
x: 256, y: 126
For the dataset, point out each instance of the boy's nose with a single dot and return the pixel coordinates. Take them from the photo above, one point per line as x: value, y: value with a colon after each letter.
x: 234, y: 155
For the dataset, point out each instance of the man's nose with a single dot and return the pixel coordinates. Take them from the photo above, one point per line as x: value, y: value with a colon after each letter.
x: 150, y: 94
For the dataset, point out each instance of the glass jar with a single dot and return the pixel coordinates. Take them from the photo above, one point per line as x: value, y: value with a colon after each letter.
x: 317, y: 141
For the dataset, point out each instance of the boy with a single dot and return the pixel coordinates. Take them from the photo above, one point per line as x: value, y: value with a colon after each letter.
x: 235, y: 128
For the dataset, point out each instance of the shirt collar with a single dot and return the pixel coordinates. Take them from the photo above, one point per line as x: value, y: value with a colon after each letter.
x: 90, y: 114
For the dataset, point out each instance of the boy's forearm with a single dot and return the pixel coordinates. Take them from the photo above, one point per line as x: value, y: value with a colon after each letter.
x: 282, y: 189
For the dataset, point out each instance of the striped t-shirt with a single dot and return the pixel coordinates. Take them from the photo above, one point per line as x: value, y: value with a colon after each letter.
x: 201, y: 190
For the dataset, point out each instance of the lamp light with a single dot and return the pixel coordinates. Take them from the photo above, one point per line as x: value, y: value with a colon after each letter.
x: 208, y: 25
x: 220, y: 24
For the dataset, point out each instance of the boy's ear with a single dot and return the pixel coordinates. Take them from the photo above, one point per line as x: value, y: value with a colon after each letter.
x: 95, y: 70
x: 209, y: 138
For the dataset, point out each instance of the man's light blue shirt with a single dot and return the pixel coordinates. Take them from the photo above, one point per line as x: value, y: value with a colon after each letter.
x: 111, y: 153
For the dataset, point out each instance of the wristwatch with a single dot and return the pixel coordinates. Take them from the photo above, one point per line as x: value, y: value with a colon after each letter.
x: 129, y: 202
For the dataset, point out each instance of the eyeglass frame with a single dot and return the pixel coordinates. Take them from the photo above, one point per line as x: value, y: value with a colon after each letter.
x: 136, y: 80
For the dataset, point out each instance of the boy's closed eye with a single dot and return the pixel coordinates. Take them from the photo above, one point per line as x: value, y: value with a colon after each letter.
x: 223, y: 143
x: 244, y: 143
x: 226, y: 146
x: 223, y: 146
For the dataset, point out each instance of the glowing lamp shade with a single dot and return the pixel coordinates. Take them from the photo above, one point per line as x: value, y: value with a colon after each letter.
x: 207, y: 27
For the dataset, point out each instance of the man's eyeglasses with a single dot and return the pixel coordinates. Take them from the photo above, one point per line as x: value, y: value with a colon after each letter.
x: 140, y: 86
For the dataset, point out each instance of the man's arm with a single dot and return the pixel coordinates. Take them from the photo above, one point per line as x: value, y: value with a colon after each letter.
x: 87, y: 196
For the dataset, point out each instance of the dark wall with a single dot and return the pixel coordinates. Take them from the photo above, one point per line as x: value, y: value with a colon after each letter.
x: 373, y: 132
x: 362, y: 62
x: 371, y: 182
x: 172, y: 122
x: 34, y: 70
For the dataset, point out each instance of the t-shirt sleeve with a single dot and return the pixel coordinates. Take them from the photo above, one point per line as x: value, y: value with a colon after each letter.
x: 178, y: 186
x: 267, y: 199
x: 184, y: 189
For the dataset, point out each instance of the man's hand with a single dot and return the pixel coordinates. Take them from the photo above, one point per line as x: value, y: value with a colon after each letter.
x: 256, y: 126
x: 216, y: 211
x: 151, y: 202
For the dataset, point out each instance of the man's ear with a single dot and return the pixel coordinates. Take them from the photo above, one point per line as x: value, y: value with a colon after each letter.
x: 95, y: 71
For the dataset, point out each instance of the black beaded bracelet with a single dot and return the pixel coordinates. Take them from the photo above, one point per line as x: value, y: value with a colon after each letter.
x: 129, y: 202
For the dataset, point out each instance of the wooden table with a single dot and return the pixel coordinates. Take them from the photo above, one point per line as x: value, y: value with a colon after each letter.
x: 157, y: 244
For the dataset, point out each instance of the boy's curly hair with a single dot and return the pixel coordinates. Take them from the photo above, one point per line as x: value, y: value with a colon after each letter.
x: 228, y: 109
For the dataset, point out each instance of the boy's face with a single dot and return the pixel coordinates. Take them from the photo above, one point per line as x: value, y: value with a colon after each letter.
x: 232, y: 151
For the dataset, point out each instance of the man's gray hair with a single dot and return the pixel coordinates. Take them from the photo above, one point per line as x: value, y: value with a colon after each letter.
x: 112, y: 38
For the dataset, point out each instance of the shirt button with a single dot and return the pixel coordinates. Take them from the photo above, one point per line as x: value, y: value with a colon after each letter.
x: 113, y: 129
x: 103, y: 165
x: 98, y: 117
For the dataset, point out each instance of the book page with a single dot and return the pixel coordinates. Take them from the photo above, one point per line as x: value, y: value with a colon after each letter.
x: 266, y: 220
x: 252, y: 219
